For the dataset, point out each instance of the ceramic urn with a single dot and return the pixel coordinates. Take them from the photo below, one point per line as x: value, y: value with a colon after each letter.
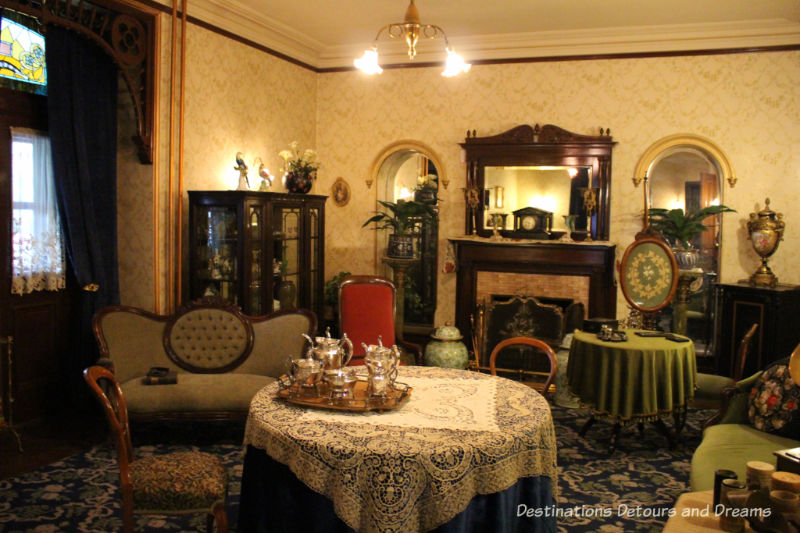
x: 445, y: 349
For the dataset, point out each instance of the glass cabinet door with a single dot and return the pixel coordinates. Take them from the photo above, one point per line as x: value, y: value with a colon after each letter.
x: 286, y: 251
x: 216, y: 253
x: 255, y: 247
x: 315, y: 255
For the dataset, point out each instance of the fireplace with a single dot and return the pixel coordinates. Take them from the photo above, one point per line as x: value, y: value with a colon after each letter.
x: 580, y: 272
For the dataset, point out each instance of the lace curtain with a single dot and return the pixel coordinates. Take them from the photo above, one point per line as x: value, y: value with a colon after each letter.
x: 38, y: 256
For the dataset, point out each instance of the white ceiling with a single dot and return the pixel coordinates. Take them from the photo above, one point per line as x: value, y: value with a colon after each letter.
x: 330, y: 33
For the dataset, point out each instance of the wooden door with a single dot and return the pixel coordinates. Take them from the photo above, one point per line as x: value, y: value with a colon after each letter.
x: 37, y: 321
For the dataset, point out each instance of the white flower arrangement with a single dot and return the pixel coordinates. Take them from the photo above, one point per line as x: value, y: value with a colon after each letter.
x: 305, y: 164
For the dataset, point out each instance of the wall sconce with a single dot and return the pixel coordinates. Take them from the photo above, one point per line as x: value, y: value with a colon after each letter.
x: 499, y: 196
x: 244, y: 183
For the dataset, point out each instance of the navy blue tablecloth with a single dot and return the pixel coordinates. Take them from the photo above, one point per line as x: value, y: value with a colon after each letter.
x: 273, y: 500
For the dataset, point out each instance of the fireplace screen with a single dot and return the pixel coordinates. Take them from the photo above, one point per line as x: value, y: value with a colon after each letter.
x: 546, y: 319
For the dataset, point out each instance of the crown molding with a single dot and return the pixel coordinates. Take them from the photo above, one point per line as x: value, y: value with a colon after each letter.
x: 607, y: 41
x: 256, y: 27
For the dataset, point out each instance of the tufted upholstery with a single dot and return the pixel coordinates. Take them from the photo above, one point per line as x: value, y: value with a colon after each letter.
x: 222, y: 356
x: 209, y: 338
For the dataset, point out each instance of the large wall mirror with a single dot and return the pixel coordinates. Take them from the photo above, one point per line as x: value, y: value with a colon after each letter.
x: 399, y: 172
x: 688, y: 172
x: 549, y: 169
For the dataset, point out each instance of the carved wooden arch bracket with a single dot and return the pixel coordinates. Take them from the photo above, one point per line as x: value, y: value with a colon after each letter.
x: 124, y: 32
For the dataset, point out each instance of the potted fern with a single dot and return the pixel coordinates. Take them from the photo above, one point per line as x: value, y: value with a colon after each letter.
x: 680, y: 229
x: 400, y: 217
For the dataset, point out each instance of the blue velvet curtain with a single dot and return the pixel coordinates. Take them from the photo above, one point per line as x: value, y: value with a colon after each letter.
x: 82, y: 114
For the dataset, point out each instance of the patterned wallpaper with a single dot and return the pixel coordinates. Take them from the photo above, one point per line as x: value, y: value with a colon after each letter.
x: 747, y: 104
x: 241, y: 99
x: 237, y: 99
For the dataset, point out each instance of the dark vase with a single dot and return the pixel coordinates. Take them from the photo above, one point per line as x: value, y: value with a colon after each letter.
x: 298, y: 182
x: 425, y: 195
x: 400, y: 246
x: 287, y: 291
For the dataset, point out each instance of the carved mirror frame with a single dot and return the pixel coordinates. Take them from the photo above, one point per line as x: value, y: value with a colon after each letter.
x: 547, y: 145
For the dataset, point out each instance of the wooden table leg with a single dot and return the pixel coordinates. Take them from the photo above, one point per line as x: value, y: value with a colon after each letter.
x: 614, y: 437
x: 680, y: 420
x: 587, y: 425
x: 664, y: 430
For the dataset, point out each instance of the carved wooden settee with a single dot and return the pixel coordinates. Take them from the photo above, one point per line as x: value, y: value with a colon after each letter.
x: 222, y: 356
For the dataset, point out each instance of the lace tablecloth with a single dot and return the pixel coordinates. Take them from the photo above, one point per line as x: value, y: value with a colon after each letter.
x: 461, y: 434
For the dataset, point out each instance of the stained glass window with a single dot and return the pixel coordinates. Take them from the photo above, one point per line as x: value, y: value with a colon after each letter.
x: 22, y: 58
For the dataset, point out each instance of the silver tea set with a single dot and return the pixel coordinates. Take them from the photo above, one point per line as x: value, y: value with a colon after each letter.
x: 324, y: 371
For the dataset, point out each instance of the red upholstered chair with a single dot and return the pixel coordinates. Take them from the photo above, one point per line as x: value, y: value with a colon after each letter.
x: 367, y: 311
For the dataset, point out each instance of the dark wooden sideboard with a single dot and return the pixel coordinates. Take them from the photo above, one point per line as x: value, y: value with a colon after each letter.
x: 776, y: 312
x: 593, y: 260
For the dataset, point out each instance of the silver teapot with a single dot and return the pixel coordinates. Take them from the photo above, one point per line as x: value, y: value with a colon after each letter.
x: 382, y: 363
x: 305, y: 371
x: 332, y: 353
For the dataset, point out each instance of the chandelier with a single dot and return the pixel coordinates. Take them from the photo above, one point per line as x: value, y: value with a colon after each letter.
x: 411, y: 30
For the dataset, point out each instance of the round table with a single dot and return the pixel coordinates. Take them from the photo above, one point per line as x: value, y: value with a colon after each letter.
x: 639, y: 380
x: 466, y: 447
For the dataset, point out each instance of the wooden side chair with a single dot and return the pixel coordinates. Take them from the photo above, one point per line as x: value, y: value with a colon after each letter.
x: 175, y: 483
x: 709, y: 387
x: 527, y: 368
x: 367, y: 312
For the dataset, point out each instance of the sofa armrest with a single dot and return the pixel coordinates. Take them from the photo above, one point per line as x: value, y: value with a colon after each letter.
x: 735, y: 402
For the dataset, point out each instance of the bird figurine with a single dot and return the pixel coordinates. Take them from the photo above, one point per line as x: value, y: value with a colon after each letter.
x: 244, y: 182
x: 266, y: 179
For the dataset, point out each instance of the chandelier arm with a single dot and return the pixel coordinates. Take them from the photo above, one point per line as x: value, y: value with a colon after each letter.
x: 377, y: 36
x: 436, y: 31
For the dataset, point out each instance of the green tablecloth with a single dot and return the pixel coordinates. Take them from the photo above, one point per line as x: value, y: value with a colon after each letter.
x: 640, y: 379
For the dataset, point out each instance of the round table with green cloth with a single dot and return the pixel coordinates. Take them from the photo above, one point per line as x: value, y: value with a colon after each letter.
x: 641, y: 379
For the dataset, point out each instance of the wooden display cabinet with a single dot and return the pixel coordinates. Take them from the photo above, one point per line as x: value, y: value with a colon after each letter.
x: 262, y: 251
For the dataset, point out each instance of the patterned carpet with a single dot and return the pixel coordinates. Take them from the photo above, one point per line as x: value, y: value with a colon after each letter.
x: 626, y: 491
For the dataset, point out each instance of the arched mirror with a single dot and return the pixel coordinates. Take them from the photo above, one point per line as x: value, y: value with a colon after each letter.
x: 688, y: 172
x: 410, y: 170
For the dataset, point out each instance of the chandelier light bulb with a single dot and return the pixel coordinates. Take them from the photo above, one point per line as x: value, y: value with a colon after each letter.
x: 368, y: 63
x: 410, y: 30
x: 455, y: 64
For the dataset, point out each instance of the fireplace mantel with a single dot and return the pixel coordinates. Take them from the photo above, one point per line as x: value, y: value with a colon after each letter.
x: 593, y: 260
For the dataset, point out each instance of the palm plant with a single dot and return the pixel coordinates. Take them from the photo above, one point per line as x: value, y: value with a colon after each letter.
x: 681, y: 228
x: 401, y: 216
